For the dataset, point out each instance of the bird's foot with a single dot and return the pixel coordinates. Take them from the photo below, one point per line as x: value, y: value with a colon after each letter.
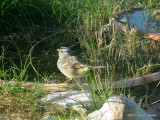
x: 67, y: 81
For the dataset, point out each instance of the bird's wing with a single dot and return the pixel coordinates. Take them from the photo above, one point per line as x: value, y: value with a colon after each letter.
x: 74, y: 62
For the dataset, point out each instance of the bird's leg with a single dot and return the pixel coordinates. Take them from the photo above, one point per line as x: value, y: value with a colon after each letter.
x: 67, y: 81
x: 77, y: 80
x: 73, y: 80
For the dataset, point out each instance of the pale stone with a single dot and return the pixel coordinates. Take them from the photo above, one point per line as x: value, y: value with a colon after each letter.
x: 155, y: 106
x: 119, y: 108
x: 49, y: 117
x: 74, y: 99
x: 154, y: 110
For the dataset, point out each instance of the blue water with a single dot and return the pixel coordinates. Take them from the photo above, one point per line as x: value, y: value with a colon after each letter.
x: 142, y: 20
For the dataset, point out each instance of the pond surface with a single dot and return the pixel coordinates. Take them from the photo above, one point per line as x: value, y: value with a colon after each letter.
x: 143, y: 20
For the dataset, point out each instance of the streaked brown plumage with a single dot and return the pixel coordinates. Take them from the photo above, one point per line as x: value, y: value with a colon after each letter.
x: 70, y: 65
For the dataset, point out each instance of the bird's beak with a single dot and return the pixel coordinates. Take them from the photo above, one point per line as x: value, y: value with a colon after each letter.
x: 58, y: 50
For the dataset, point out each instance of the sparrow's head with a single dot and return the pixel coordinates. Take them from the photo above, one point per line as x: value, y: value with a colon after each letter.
x: 64, y: 52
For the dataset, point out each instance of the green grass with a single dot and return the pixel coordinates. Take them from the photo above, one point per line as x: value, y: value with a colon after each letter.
x: 32, y: 30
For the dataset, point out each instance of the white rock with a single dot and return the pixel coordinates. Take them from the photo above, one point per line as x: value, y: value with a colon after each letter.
x: 153, y: 113
x: 154, y: 110
x: 119, y: 108
x: 74, y: 99
x: 155, y: 106
x: 49, y: 117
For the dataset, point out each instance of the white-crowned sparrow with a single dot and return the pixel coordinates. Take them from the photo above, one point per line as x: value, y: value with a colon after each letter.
x: 70, y: 65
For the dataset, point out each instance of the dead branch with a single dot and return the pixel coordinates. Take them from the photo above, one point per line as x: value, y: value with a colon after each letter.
x: 63, y: 86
